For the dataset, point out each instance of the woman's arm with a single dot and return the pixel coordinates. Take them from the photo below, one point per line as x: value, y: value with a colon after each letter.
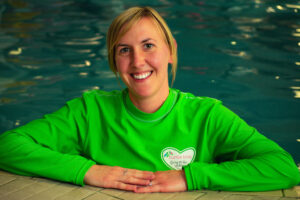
x: 50, y: 147
x: 245, y: 160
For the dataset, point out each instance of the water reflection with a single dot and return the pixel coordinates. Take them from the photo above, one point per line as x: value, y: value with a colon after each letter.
x: 197, y: 70
x: 262, y: 33
x: 59, y: 33
x: 61, y: 37
x: 20, y: 84
x: 292, y: 6
x: 242, y: 71
x: 296, y: 90
x: 15, y: 52
x: 5, y: 100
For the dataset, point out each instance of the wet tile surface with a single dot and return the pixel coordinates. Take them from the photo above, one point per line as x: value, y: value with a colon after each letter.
x: 14, y: 187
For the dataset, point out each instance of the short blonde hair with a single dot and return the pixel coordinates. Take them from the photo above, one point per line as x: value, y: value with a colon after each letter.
x: 130, y: 17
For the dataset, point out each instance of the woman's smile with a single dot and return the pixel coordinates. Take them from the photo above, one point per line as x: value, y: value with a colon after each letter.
x: 141, y: 76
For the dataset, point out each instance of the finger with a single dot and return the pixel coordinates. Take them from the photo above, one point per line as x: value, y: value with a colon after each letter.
x: 136, y: 181
x: 124, y: 186
x: 141, y: 174
x: 148, y: 189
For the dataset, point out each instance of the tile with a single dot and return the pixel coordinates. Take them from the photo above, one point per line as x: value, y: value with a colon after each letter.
x: 113, y: 192
x: 27, y: 191
x: 214, y: 195
x: 100, y: 196
x: 292, y: 192
x: 93, y: 188
x: 275, y: 193
x: 143, y: 196
x: 76, y: 194
x: 193, y: 195
x: 53, y: 192
x: 38, y: 187
x: 238, y: 197
x: 45, y: 180
x: 297, y: 188
x: 245, y: 197
x: 5, y: 179
x: 6, y: 173
x: 14, y: 186
x: 186, y: 195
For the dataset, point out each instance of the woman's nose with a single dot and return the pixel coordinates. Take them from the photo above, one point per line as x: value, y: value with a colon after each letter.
x: 138, y: 58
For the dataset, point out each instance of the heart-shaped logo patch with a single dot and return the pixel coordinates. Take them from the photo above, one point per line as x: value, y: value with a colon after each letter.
x: 176, y: 159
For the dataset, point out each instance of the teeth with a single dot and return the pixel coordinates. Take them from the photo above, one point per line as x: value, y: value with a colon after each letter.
x: 141, y: 76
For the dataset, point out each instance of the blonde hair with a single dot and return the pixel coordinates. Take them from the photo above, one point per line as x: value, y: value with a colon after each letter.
x: 130, y: 17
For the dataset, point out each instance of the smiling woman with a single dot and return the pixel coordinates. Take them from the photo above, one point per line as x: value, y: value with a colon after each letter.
x: 140, y: 54
x: 142, y: 58
x: 147, y: 137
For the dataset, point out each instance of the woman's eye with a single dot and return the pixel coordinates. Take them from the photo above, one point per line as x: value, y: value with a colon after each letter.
x: 124, y: 50
x: 148, y: 46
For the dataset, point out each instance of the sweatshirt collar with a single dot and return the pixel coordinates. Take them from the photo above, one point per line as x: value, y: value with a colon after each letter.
x: 150, y: 117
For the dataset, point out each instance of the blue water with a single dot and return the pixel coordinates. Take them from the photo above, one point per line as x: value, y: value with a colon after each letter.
x: 245, y: 53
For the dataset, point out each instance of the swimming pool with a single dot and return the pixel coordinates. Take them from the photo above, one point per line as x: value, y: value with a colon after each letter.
x: 246, y: 54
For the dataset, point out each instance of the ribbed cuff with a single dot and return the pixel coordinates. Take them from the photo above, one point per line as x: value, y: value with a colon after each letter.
x: 80, y: 176
x: 188, y: 176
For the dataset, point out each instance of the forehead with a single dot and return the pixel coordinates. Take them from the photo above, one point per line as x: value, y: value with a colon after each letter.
x: 145, y: 26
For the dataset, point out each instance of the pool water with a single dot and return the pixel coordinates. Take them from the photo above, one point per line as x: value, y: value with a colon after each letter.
x: 245, y: 53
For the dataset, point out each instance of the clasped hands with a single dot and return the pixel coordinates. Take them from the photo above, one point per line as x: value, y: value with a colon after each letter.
x: 136, y: 180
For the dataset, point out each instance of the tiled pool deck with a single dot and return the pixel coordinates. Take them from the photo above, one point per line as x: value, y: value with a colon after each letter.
x: 14, y: 187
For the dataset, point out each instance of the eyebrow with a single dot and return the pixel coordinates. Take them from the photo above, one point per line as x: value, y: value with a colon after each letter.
x: 143, y: 41
x: 146, y: 40
x: 122, y: 45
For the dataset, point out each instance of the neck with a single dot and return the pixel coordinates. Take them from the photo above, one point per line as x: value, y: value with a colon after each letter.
x: 149, y: 104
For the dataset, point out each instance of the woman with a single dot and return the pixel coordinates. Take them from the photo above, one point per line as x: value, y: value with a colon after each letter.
x: 147, y: 137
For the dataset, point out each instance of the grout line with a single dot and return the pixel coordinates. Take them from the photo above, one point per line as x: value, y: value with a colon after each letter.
x: 111, y: 196
x: 33, y: 194
x: 14, y: 178
x: 8, y: 182
x: 64, y: 193
x: 95, y: 192
x: 199, y: 197
x: 13, y: 191
x: 283, y: 194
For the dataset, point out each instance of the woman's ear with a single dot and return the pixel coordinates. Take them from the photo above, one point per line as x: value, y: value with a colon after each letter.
x: 171, y: 57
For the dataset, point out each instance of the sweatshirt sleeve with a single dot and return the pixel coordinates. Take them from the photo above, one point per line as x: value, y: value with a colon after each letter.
x: 50, y: 147
x: 245, y: 160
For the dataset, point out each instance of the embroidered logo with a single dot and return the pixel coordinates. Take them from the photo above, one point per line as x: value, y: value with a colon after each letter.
x: 176, y: 159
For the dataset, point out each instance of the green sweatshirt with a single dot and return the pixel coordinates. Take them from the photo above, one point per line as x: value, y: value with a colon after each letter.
x: 216, y: 149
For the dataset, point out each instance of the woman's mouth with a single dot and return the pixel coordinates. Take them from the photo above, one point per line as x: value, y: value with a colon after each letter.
x: 141, y: 76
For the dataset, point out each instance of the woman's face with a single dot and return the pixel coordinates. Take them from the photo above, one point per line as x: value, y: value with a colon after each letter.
x: 142, y: 58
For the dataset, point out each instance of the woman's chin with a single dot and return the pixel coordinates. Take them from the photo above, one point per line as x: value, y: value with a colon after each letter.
x: 141, y: 94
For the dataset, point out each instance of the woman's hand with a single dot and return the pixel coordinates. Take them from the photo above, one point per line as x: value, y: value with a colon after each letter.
x: 117, y: 177
x: 166, y: 181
